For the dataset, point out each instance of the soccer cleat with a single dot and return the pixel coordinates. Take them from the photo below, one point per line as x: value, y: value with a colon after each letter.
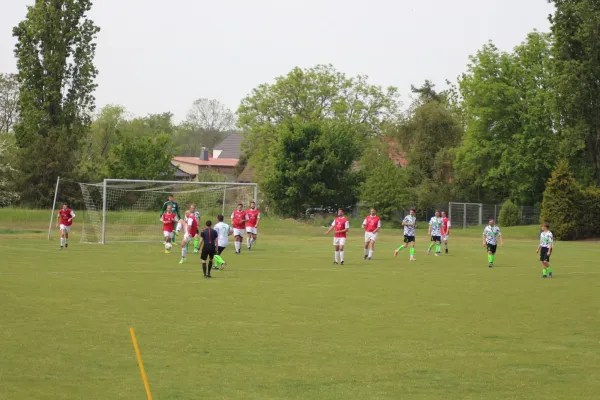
x: 396, y: 253
x: 428, y: 251
x: 412, y: 259
x: 222, y: 267
x: 167, y: 251
x: 342, y: 263
x: 366, y: 256
x: 60, y: 248
x: 195, y: 251
x: 182, y: 261
x: 369, y: 258
x: 544, y: 276
x: 550, y: 275
x: 446, y: 251
x: 208, y: 276
x: 437, y: 254
x: 335, y: 263
x: 490, y: 265
x: 66, y: 245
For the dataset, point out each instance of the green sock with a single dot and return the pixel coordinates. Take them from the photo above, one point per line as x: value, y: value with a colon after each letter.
x: 549, y: 269
x: 196, y: 243
x: 544, y: 272
x: 412, y: 251
x: 401, y: 248
x: 437, y: 248
x: 493, y: 258
x: 431, y: 245
x: 218, y: 261
x: 490, y: 258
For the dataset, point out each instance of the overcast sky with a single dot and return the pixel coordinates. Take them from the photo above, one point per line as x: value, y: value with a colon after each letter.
x: 156, y: 55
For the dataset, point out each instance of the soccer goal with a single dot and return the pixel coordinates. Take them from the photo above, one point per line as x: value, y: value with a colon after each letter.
x: 122, y: 210
x: 465, y: 214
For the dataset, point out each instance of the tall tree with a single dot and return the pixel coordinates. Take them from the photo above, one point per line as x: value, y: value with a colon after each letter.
x: 312, y: 166
x: 8, y: 194
x: 9, y: 98
x: 508, y: 150
x: 311, y: 95
x: 576, y: 62
x: 55, y: 51
x: 142, y: 158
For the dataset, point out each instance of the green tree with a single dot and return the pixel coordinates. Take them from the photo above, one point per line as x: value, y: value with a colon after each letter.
x: 576, y: 62
x: 55, y: 51
x: 9, y: 99
x: 509, y: 214
x: 311, y: 95
x: 142, y: 158
x: 560, y: 206
x: 508, y: 148
x: 8, y: 195
x: 312, y: 166
x: 385, y: 186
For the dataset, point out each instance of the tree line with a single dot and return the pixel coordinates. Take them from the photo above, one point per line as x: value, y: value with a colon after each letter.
x: 317, y: 137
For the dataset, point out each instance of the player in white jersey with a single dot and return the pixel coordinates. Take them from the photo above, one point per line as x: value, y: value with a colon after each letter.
x: 545, y: 249
x: 409, y: 223
x: 491, y: 233
x: 435, y: 231
x: 224, y: 232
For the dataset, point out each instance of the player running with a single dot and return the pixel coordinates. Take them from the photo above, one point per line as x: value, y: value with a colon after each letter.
x: 491, y: 233
x: 435, y: 231
x: 224, y: 232
x: 253, y: 215
x: 545, y: 250
x: 64, y: 220
x: 341, y: 226
x: 174, y: 208
x: 196, y: 215
x: 190, y: 226
x: 445, y: 229
x: 371, y: 225
x: 238, y: 220
x: 168, y: 219
x: 409, y: 223
x: 209, y: 238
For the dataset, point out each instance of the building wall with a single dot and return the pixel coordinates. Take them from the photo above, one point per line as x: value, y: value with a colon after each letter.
x: 189, y: 168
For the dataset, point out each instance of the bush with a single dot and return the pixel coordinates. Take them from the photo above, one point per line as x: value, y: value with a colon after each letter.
x: 562, y: 203
x: 590, y: 213
x: 509, y: 214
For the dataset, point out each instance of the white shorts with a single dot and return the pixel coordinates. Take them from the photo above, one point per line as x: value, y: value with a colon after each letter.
x: 370, y: 236
x: 251, y: 230
x: 168, y: 234
x: 238, y: 232
x: 444, y: 237
x: 187, y: 238
x: 65, y: 228
x: 339, y: 241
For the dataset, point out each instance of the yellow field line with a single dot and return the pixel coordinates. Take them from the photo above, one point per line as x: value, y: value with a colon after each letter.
x: 139, y: 359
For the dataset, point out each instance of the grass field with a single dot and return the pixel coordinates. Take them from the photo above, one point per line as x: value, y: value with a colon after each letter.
x: 282, y: 322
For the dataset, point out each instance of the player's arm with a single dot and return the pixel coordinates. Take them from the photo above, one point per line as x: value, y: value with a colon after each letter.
x: 500, y: 236
x: 72, y: 216
x: 163, y: 209
x: 330, y: 228
x: 448, y: 226
x: 550, y: 244
x: 257, y: 219
x: 346, y: 228
x: 364, y: 223
x: 429, y: 230
x: 483, y: 238
x: 177, y: 208
x: 57, y: 219
x: 378, y: 227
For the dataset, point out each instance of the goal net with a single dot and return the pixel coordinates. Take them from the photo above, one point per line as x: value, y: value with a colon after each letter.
x: 120, y: 210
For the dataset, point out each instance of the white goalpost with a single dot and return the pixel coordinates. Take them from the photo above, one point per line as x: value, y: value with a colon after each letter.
x: 125, y: 210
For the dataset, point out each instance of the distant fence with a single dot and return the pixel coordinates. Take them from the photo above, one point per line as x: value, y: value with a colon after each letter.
x: 471, y: 214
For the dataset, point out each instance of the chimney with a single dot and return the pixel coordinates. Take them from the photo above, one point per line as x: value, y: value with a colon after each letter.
x: 204, y: 154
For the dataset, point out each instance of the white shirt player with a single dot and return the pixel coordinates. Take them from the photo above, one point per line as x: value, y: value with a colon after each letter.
x: 223, y: 230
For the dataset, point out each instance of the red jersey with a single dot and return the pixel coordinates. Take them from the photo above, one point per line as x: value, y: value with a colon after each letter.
x: 340, y: 224
x: 192, y: 225
x: 66, y: 216
x: 169, y: 222
x: 445, y: 225
x: 239, y: 219
x: 372, y: 223
x: 253, y: 216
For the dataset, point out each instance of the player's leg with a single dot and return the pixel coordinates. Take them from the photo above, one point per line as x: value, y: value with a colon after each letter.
x: 336, y: 254
x: 184, y: 247
x: 546, y: 269
x: 196, y: 243
x: 446, y: 242
x: 438, y: 245
x: 249, y: 238
x: 491, y: 253
x: 178, y: 228
x: 67, y: 230
x: 431, y: 244
x: 367, y: 240
x: 342, y: 243
x: 402, y: 247
x: 254, y: 235
x: 372, y: 246
x: 167, y: 236
x: 211, y: 255
x: 62, y: 236
x: 203, y: 257
x: 412, y: 249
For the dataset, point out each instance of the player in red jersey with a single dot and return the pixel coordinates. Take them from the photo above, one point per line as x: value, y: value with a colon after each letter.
x: 238, y: 221
x: 253, y: 216
x: 190, y: 226
x: 371, y: 225
x: 445, y: 229
x: 168, y: 219
x: 64, y: 220
x: 341, y: 226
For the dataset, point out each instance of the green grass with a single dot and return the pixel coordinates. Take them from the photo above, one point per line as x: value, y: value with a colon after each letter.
x: 282, y: 322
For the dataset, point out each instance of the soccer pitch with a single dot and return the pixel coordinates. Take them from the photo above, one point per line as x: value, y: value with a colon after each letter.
x: 282, y: 322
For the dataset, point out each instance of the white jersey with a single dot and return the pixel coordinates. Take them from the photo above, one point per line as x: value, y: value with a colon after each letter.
x: 546, y: 239
x: 409, y: 230
x: 436, y: 226
x: 491, y: 234
x: 223, y: 230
